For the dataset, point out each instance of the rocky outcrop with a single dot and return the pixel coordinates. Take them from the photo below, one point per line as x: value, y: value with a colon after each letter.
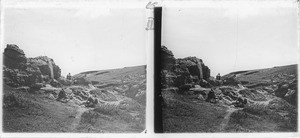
x: 14, y: 57
x: 19, y: 77
x: 46, y: 66
x: 167, y: 58
x: 21, y: 71
x: 195, y: 66
x: 182, y: 72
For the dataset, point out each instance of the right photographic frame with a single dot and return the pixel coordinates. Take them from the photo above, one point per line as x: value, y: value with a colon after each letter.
x: 228, y: 66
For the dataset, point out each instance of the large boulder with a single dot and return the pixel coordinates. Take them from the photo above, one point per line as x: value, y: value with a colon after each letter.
x: 196, y: 67
x: 14, y: 57
x: 193, y: 64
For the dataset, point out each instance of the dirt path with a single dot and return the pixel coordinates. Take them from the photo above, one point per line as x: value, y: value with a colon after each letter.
x: 77, y: 119
x: 227, y: 118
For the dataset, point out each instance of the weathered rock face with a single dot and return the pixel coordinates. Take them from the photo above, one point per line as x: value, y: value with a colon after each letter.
x: 206, y: 72
x: 21, y: 71
x: 180, y: 72
x: 167, y: 58
x: 195, y: 66
x: 46, y: 66
x: 14, y: 57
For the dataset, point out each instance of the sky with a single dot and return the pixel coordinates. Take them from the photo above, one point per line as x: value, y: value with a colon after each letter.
x: 232, y: 36
x: 79, y: 36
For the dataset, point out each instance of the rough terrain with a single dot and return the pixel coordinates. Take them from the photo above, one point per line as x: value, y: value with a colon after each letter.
x: 36, y: 98
x: 271, y: 96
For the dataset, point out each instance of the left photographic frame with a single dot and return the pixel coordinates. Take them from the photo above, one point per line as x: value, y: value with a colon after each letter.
x: 74, y: 67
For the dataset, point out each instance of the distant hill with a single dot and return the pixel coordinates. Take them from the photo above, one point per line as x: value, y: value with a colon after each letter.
x: 266, y: 75
x: 114, y: 75
x: 272, y: 79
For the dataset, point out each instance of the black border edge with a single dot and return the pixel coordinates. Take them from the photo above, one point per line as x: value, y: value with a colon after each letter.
x: 158, y: 124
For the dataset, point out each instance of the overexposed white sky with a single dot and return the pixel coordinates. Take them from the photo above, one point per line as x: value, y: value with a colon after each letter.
x: 79, y: 36
x: 233, y: 35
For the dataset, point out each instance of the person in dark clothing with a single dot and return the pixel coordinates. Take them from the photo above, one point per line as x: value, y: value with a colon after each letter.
x: 218, y: 77
x: 62, y: 95
x: 210, y: 96
x: 69, y: 76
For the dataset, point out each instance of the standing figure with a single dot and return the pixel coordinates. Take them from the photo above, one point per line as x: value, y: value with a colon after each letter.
x: 69, y: 76
x: 218, y: 77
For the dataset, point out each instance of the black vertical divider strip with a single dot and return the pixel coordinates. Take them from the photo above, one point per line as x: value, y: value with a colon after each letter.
x: 158, y: 125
